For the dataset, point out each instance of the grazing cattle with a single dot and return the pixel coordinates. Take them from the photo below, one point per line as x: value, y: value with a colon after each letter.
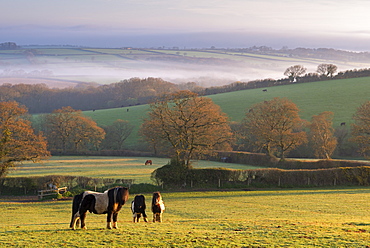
x: 265, y: 90
x: 148, y: 162
x: 157, y: 207
x: 138, y: 208
x: 110, y: 202
x: 343, y: 124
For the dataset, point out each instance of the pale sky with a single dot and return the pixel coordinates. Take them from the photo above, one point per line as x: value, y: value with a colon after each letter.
x: 340, y: 24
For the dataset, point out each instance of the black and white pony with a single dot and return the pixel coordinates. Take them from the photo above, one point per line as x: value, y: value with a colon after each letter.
x: 138, y: 208
x: 157, y: 207
x: 110, y: 202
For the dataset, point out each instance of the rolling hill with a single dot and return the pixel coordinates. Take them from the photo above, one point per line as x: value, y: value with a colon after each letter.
x: 205, y: 66
x: 342, y: 97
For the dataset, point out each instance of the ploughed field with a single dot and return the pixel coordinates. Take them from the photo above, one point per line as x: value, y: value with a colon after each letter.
x: 259, y: 218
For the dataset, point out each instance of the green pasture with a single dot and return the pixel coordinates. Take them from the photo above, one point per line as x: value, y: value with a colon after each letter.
x: 262, y: 218
x: 342, y: 97
x: 106, y: 167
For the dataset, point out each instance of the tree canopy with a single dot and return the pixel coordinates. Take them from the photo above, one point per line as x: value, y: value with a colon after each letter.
x: 361, y: 128
x: 327, y: 70
x: 187, y: 126
x: 274, y: 126
x: 18, y: 141
x: 68, y: 130
x: 294, y: 72
x: 322, y: 135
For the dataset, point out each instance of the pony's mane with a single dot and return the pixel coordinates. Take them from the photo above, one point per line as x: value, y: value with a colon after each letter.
x: 157, y: 197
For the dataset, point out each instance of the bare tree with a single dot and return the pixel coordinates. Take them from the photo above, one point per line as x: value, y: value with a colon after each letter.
x: 116, y: 134
x: 327, y: 70
x: 294, y: 72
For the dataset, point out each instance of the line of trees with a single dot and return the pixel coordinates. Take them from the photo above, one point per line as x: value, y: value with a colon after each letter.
x: 39, y: 98
x: 181, y: 125
x: 176, y: 127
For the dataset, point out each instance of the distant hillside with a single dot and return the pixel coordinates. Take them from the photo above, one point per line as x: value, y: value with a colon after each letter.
x: 339, y: 96
x: 206, y: 67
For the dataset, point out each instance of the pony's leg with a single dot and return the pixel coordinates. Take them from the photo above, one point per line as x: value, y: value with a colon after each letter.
x: 83, y: 217
x: 109, y: 220
x: 115, y: 217
x: 134, y: 217
x: 160, y: 217
x: 145, y: 217
x: 109, y: 225
x: 154, y: 217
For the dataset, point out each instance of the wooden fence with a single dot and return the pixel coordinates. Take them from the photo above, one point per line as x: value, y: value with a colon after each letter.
x: 46, y: 192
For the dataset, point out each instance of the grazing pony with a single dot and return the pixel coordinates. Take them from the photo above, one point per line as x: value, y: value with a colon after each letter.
x: 157, y: 207
x: 148, y: 162
x: 110, y: 202
x: 138, y: 208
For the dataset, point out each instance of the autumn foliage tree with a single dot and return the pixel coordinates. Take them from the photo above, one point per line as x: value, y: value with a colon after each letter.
x: 321, y: 135
x: 361, y: 128
x: 187, y: 126
x: 18, y: 141
x: 274, y: 127
x: 68, y: 130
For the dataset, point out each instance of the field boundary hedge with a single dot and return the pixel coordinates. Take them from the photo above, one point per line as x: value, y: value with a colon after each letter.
x: 30, y: 185
x: 260, y: 159
x: 275, y: 177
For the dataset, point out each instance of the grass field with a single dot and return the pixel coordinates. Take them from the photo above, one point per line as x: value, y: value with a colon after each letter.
x: 262, y: 218
x: 342, y: 97
x: 106, y: 167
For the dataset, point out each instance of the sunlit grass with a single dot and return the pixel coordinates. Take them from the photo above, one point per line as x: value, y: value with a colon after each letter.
x: 105, y: 167
x: 267, y: 218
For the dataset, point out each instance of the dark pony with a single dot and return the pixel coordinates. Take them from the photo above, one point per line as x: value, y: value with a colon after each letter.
x: 138, y: 208
x: 157, y: 207
x: 110, y: 202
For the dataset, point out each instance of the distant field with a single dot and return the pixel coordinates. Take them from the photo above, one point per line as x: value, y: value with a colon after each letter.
x: 262, y: 218
x: 204, y: 66
x: 342, y: 97
x: 106, y: 167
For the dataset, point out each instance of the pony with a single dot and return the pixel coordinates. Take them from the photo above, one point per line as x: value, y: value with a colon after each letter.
x: 149, y: 162
x: 157, y: 207
x: 138, y: 208
x: 110, y: 202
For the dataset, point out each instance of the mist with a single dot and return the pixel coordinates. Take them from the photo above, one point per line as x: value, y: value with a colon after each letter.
x: 203, y: 75
x: 83, y: 65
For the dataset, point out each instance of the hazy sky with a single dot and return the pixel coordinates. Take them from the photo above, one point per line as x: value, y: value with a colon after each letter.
x: 339, y: 24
